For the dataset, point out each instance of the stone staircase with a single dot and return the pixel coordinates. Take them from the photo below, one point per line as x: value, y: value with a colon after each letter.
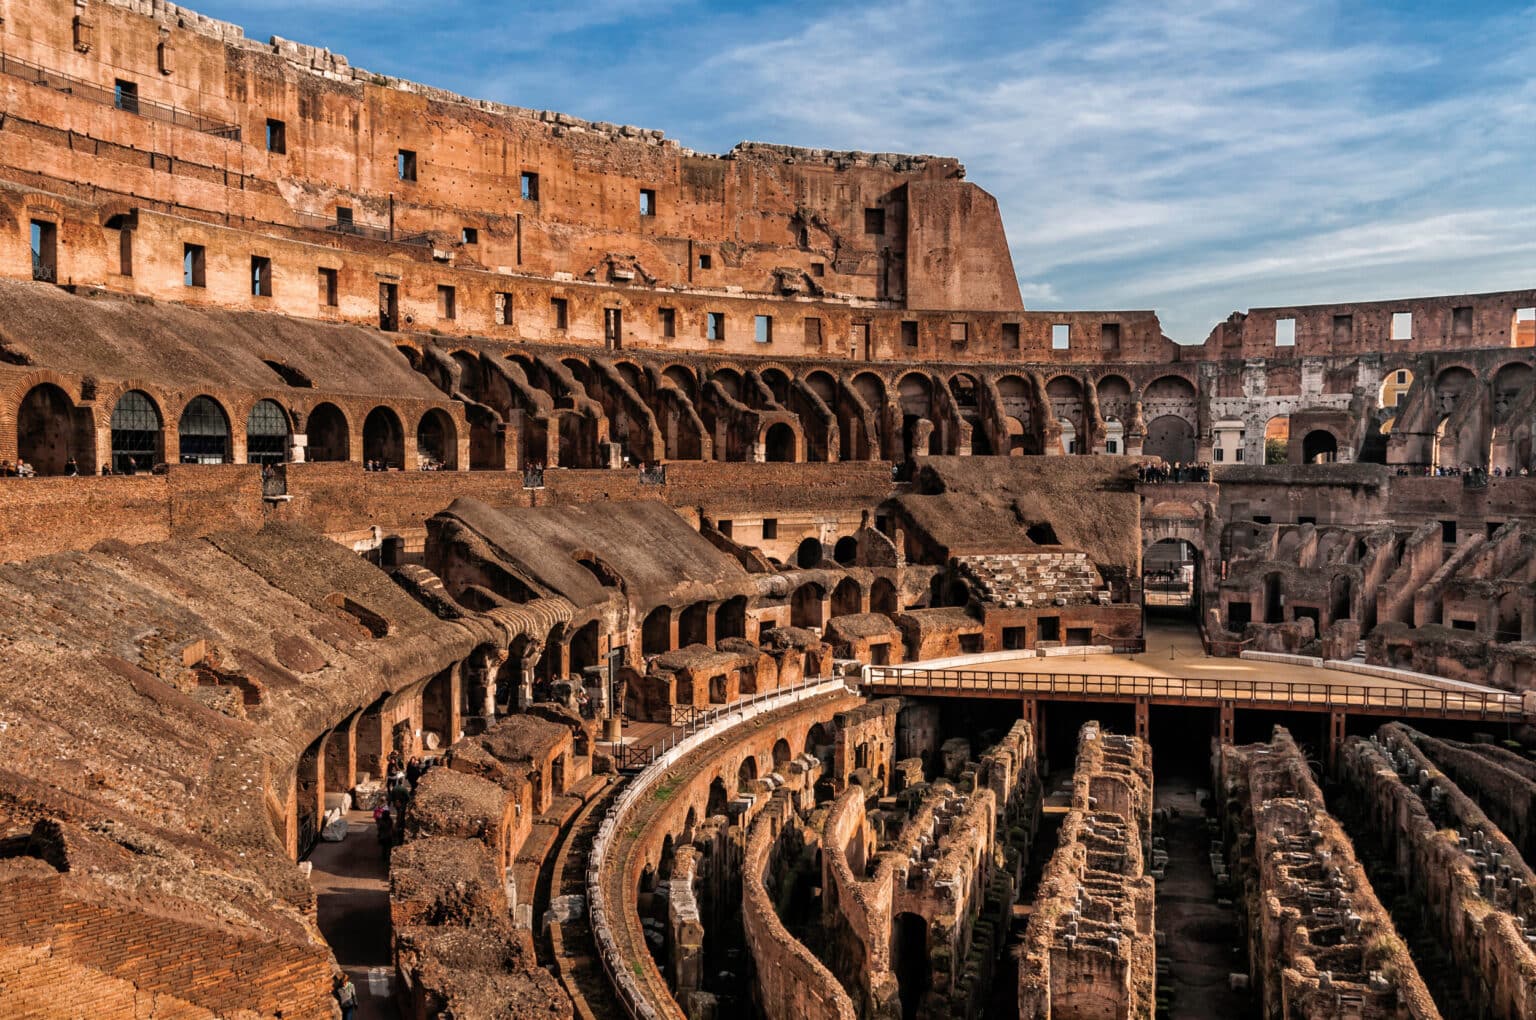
x: 1033, y: 580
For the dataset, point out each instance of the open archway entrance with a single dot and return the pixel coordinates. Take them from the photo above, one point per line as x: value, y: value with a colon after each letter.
x: 327, y: 434
x: 49, y: 432
x: 779, y: 444
x: 1319, y: 447
x: 383, y: 439
x: 1170, y: 581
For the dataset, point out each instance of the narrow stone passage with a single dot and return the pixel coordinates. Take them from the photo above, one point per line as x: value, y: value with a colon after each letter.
x: 1200, y: 945
x: 351, y: 883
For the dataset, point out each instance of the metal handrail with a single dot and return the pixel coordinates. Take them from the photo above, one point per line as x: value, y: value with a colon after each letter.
x: 70, y: 85
x: 1119, y: 685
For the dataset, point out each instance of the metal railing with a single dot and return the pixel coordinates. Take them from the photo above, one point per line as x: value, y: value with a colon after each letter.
x: 654, y: 476
x: 274, y: 481
x: 626, y: 975
x: 533, y: 478
x: 127, y: 102
x: 44, y: 271
x: 1420, y: 701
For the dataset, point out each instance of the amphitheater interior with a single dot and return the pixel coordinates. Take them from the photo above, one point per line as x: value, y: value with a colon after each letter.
x: 527, y: 568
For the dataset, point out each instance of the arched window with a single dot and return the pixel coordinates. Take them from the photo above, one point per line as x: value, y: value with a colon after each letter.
x: 383, y: 439
x: 204, y: 432
x: 266, y: 434
x: 138, y: 439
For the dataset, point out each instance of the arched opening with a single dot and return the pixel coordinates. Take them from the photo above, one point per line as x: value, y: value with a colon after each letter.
x: 882, y: 597
x: 384, y: 440
x: 778, y: 383
x: 48, y: 434
x: 656, y: 631
x: 327, y: 435
x: 779, y: 444
x: 1017, y: 399
x: 1170, y: 579
x: 909, y: 962
x: 1340, y: 597
x: 1171, y: 438
x: 266, y: 434
x: 437, y: 442
x: 817, y: 738
x: 846, y: 550
x: 1277, y: 439
x: 809, y: 554
x: 747, y: 773
x: 138, y: 436
x: 806, y: 607
x: 915, y: 394
x: 584, y: 649
x: 718, y: 798
x: 1066, y: 397
x: 731, y: 620
x: 781, y: 753
x: 846, y: 598
x: 203, y: 432
x: 1394, y: 389
x: 693, y: 625
x: 1319, y: 447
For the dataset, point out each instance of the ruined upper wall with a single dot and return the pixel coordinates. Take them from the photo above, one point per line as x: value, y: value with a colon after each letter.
x: 757, y: 219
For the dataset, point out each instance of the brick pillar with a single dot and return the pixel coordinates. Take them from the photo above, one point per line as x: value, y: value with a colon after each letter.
x: 1228, y: 723
x: 1143, y: 719
x: 1336, y: 720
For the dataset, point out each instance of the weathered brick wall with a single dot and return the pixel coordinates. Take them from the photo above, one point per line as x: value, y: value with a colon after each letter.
x: 150, y: 954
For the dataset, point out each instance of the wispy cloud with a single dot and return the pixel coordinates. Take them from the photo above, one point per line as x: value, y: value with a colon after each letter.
x: 1193, y: 157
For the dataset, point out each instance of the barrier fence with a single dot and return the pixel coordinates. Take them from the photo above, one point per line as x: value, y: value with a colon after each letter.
x: 1402, y: 699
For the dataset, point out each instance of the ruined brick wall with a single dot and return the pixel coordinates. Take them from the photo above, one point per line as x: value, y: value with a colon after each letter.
x: 117, y: 956
x: 1317, y: 935
x: 1089, y: 948
x: 1473, y: 881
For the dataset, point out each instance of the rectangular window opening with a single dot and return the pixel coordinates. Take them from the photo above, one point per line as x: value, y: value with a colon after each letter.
x: 125, y: 251
x: 762, y: 329
x: 770, y: 527
x: 1010, y: 336
x: 45, y: 251
x: 1402, y: 325
x: 714, y: 326
x: 194, y: 266
x: 1285, y: 332
x: 1448, y: 532
x: 261, y: 276
x: 125, y: 96
x: 704, y: 261
x: 1343, y: 328
x: 1461, y: 321
x: 1109, y: 336
x: 818, y: 269
x: 343, y: 216
x: 445, y: 302
x: 530, y: 186
x: 874, y: 221
x: 909, y: 333
x: 328, y: 287
x: 667, y: 317
x: 812, y: 332
x: 1061, y: 337
x: 647, y: 202
x: 277, y: 136
x: 405, y: 165
x: 470, y: 235
x: 560, y: 309
x: 959, y: 333
x: 501, y: 308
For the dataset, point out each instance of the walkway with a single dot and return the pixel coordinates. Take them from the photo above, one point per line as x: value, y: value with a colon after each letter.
x: 351, y: 884
x: 1201, y: 944
x: 1175, y: 669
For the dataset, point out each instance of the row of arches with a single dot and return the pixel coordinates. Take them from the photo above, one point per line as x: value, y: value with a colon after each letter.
x: 52, y: 431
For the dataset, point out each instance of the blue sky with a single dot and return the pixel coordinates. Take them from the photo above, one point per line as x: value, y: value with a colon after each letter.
x: 1195, y: 158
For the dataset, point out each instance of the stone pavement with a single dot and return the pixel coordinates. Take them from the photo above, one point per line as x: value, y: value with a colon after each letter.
x: 351, y: 884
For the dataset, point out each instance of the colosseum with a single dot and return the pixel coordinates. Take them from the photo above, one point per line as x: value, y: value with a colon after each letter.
x: 464, y: 561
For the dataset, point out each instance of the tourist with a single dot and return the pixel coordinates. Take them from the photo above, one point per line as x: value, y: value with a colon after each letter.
x: 71, y: 468
x: 385, y: 827
x: 346, y: 996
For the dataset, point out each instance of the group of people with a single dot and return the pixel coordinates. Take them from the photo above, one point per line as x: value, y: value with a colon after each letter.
x: 1477, y: 474
x: 376, y: 465
x: 21, y: 469
x: 1175, y: 472
x: 400, y: 786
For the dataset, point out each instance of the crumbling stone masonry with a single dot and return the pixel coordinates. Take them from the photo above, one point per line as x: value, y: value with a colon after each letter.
x: 1320, y: 944
x: 1477, y: 890
x: 1089, y: 951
